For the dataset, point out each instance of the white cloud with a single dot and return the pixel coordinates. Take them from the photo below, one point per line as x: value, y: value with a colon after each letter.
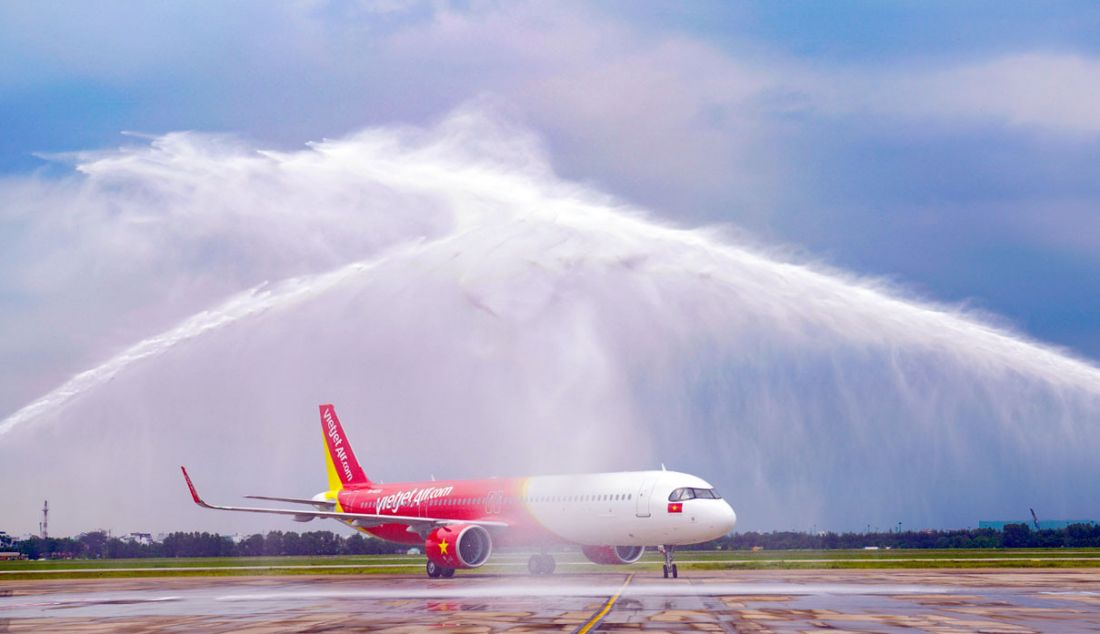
x: 1049, y: 91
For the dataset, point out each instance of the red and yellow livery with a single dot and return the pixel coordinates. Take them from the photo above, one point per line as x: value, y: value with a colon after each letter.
x: 611, y: 516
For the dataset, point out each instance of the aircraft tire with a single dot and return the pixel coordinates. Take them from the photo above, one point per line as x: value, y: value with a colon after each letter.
x: 434, y: 570
x: 548, y: 565
x: 447, y: 573
x: 675, y: 572
x: 665, y: 567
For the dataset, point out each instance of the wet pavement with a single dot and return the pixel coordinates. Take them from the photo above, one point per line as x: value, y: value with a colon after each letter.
x: 720, y: 601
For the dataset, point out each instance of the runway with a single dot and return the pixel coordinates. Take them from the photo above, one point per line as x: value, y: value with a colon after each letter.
x: 719, y: 601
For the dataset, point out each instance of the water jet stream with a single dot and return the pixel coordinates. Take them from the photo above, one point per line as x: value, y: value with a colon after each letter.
x: 466, y: 280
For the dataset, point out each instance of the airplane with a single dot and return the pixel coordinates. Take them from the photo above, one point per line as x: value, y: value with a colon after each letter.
x: 613, y: 517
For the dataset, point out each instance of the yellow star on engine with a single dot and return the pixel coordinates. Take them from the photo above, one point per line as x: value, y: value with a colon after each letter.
x: 443, y: 547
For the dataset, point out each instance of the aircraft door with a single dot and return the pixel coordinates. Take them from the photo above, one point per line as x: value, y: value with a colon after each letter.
x: 645, y: 492
x: 493, y: 502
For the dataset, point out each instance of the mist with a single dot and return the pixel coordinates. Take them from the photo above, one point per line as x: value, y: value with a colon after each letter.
x: 470, y: 313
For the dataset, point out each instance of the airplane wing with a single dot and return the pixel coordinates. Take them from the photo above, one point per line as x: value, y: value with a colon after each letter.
x: 327, y: 503
x: 363, y: 520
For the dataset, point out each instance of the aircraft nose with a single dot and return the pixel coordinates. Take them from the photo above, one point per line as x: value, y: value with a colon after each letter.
x: 729, y: 517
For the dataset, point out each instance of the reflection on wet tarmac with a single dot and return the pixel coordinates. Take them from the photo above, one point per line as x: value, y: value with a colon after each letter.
x: 759, y: 601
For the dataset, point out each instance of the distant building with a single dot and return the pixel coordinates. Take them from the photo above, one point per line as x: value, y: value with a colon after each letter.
x: 999, y: 525
x: 139, y: 538
x: 8, y: 556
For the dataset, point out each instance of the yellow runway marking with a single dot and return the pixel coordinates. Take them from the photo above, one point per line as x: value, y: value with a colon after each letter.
x: 597, y: 617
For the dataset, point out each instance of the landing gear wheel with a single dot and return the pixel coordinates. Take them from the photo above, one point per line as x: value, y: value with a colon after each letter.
x: 434, y: 569
x: 670, y: 568
x: 540, y: 564
x: 447, y: 573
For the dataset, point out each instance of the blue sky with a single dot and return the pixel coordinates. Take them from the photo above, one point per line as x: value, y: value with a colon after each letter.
x: 950, y: 149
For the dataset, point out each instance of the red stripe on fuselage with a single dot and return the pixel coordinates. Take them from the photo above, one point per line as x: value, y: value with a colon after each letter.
x: 499, y: 500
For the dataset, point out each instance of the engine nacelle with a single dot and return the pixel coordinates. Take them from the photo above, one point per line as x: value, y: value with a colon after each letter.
x: 611, y: 555
x: 459, y: 546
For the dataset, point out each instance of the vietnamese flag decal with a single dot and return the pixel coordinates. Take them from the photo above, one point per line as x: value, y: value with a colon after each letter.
x: 675, y: 507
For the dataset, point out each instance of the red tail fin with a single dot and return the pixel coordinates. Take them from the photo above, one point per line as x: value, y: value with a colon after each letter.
x: 343, y: 468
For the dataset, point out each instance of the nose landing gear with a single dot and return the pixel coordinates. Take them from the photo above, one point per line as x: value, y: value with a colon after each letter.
x: 541, y: 564
x: 670, y: 568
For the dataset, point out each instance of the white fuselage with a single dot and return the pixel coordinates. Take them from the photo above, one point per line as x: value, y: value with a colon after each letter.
x: 626, y: 509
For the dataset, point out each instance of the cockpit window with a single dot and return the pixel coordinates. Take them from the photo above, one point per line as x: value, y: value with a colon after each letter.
x: 687, y: 493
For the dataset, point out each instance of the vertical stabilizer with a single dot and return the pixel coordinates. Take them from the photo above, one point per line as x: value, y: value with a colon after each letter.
x: 343, y: 469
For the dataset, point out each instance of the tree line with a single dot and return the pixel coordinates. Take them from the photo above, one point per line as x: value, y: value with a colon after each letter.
x: 99, y: 545
x: 1013, y: 536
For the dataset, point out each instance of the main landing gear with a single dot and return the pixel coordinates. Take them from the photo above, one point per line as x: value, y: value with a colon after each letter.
x: 435, y: 571
x: 670, y: 568
x: 541, y: 564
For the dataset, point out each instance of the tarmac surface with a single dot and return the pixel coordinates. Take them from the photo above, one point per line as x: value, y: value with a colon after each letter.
x: 1031, y: 600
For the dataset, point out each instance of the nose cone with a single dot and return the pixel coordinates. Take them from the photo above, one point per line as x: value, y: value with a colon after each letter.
x: 729, y: 518
x: 719, y: 520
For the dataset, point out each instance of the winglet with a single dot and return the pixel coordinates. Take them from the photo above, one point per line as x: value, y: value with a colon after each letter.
x: 190, y: 485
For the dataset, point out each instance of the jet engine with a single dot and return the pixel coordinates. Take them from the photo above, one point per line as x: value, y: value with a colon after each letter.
x: 613, y: 554
x: 458, y: 546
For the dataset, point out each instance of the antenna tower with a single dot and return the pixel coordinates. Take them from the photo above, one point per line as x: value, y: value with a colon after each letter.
x: 44, y: 526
